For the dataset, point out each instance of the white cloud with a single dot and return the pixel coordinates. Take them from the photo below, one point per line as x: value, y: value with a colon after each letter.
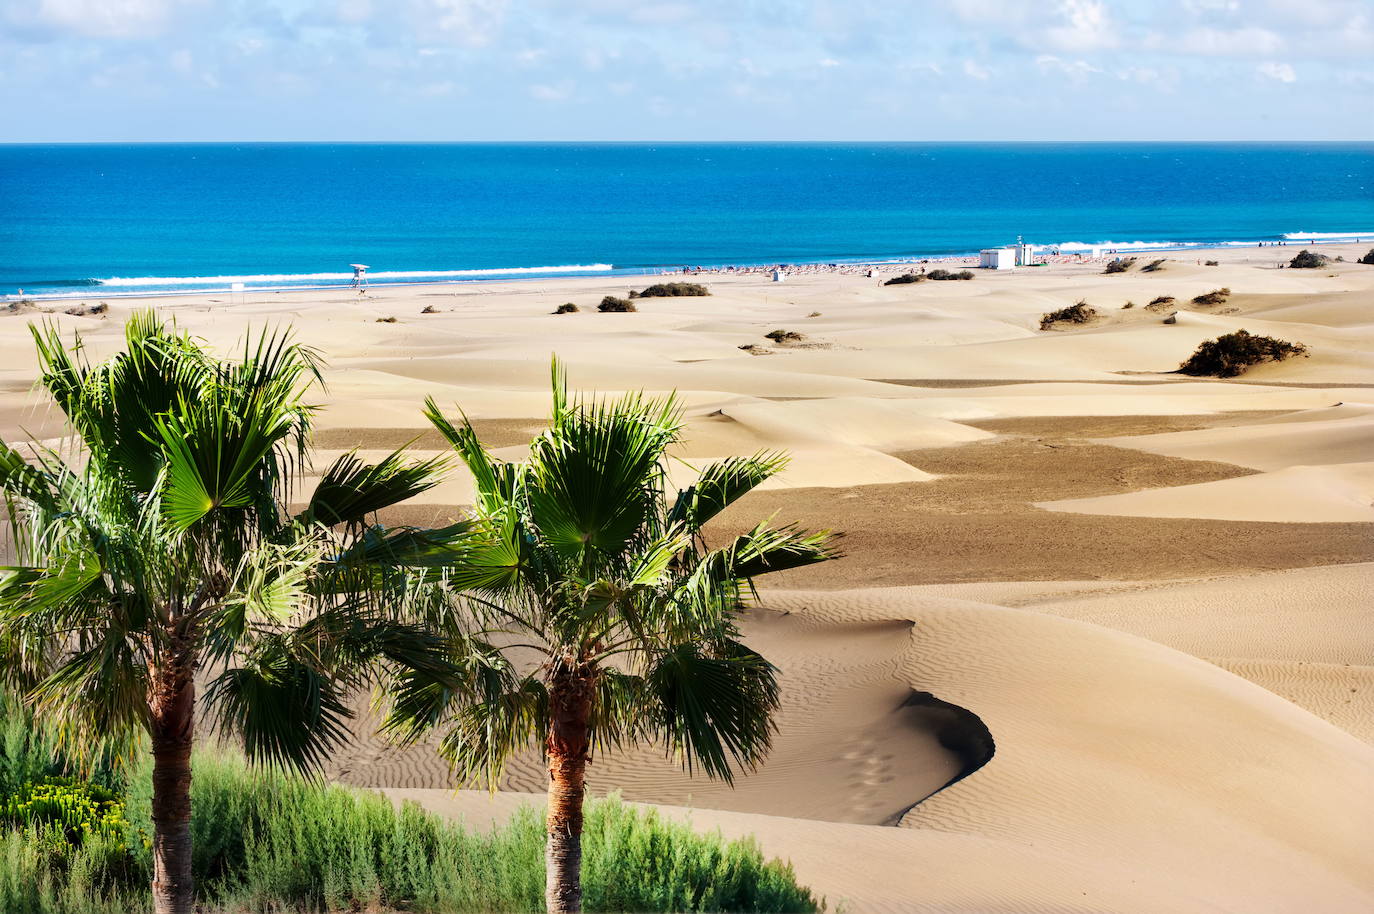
x: 1075, y: 69
x: 828, y: 62
x: 1280, y: 72
x: 974, y: 70
x: 467, y: 22
x: 1086, y: 27
x: 1251, y: 40
x: 556, y: 92
x: 97, y: 18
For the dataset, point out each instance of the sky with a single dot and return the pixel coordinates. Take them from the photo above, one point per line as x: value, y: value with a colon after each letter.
x: 455, y: 70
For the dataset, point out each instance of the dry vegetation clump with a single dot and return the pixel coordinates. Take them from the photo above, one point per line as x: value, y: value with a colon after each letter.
x: 905, y: 279
x: 814, y: 314
x: 567, y: 308
x: 612, y: 304
x: 940, y: 273
x: 1367, y: 258
x: 756, y: 349
x: 1212, y: 263
x: 1080, y: 312
x: 1306, y: 260
x: 1232, y: 353
x: 1120, y: 265
x: 784, y: 336
x: 429, y: 309
x: 671, y: 290
x: 1128, y: 306
x: 386, y: 320
x: 1153, y: 266
x: 1215, y: 297
x: 1160, y: 302
x: 85, y: 310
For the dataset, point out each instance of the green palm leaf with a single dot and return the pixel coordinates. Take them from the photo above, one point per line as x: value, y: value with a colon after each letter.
x: 350, y: 490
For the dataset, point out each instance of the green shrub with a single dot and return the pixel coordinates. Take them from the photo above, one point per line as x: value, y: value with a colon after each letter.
x: 1079, y: 312
x: 1120, y: 265
x: 1367, y: 258
x: 70, y: 809
x: 1153, y: 266
x: 612, y: 304
x: 671, y: 290
x: 1232, y: 353
x: 567, y: 308
x: 905, y: 279
x: 270, y: 841
x: 1306, y: 260
x: 943, y: 274
x: 1215, y: 297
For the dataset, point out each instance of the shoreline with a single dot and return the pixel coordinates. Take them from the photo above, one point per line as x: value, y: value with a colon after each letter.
x: 1067, y: 253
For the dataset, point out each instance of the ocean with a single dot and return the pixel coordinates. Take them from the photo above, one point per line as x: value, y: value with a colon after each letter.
x: 105, y: 220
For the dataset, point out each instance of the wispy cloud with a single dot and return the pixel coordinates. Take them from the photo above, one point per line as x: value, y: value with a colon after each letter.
x: 615, y: 69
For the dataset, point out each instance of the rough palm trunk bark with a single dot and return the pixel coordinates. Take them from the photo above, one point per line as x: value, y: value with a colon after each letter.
x: 570, y: 702
x: 172, y: 724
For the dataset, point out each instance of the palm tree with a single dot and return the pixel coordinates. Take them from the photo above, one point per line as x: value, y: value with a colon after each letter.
x: 156, y: 544
x: 578, y: 558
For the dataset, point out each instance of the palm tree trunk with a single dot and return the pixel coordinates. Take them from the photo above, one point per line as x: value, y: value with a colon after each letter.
x: 172, y: 722
x: 570, y: 702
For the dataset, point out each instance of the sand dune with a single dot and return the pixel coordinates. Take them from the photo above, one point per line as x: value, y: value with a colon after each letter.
x: 1341, y: 493
x: 1152, y: 593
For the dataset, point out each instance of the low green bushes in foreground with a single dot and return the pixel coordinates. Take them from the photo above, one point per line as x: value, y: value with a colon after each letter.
x: 270, y: 841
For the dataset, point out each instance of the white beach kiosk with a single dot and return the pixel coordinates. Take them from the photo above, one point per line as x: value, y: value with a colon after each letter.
x: 997, y: 258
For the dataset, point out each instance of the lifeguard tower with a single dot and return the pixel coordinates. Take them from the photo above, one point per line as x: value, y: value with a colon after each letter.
x: 359, y: 276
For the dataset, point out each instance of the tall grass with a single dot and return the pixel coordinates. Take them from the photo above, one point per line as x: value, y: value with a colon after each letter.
x: 267, y: 840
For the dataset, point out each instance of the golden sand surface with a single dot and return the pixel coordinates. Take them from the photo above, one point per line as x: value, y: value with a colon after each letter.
x: 1102, y: 638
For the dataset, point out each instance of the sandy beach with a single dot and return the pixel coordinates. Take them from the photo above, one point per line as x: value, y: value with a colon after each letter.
x: 1102, y: 637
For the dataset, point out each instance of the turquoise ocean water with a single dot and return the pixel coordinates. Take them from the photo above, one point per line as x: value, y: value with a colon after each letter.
x: 106, y: 220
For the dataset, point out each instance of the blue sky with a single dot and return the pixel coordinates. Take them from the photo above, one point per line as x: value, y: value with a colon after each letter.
x: 122, y: 70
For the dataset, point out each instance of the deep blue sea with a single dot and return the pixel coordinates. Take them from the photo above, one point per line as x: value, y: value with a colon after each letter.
x: 102, y: 220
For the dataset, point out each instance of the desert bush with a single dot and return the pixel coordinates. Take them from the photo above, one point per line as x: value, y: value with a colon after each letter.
x: 814, y: 314
x: 1212, y: 263
x: 1080, y: 312
x: 1367, y: 258
x: 671, y: 290
x: 784, y: 336
x: 1128, y: 306
x: 1120, y: 265
x: 612, y: 304
x: 429, y: 309
x: 386, y: 320
x: 1153, y: 266
x: 940, y: 273
x: 1232, y: 353
x: 567, y: 308
x: 1215, y: 297
x: 905, y: 279
x: 1161, y: 300
x: 1306, y: 260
